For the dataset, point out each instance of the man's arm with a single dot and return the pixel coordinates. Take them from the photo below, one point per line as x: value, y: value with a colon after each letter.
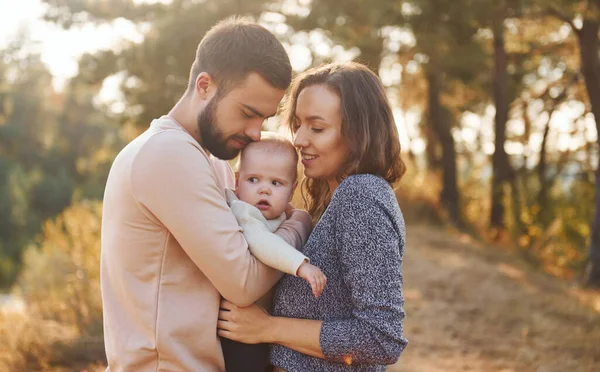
x: 174, y: 180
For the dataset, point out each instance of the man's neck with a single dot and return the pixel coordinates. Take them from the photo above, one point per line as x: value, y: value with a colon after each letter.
x: 184, y: 116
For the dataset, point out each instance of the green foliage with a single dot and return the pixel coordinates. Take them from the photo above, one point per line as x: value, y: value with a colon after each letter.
x: 156, y: 71
x: 54, y: 148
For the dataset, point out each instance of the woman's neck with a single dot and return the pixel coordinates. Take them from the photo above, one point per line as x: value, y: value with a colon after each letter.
x: 333, y: 184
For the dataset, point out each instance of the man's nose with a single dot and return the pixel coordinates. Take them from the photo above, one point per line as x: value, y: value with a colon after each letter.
x: 253, y: 131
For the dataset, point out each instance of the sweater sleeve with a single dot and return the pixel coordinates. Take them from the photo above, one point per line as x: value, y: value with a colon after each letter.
x: 371, y: 257
x: 173, y: 180
x: 269, y: 248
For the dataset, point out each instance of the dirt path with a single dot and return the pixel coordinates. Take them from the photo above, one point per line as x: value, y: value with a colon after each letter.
x: 472, y: 308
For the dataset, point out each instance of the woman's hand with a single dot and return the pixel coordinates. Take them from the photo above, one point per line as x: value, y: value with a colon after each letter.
x: 249, y: 325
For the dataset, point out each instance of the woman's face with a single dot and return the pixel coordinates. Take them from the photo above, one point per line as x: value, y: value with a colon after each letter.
x: 318, y: 133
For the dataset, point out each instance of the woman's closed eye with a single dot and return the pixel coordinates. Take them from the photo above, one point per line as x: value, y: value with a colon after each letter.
x: 316, y: 130
x: 247, y: 115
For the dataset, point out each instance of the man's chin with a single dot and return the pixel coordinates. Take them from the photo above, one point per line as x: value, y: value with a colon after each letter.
x: 225, y: 154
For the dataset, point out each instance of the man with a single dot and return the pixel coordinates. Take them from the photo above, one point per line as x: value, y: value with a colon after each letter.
x: 170, y: 245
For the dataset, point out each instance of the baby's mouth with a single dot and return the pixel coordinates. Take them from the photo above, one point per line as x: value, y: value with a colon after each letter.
x: 263, y: 204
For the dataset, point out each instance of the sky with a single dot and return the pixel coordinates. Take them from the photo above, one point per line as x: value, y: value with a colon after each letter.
x: 59, y: 49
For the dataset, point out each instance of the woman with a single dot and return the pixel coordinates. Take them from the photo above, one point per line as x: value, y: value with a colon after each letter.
x: 344, y: 128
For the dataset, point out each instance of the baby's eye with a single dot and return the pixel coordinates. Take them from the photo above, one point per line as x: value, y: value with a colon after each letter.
x: 253, y: 179
x: 276, y: 183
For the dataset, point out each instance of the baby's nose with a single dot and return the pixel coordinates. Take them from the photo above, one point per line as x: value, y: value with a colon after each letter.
x: 265, y: 190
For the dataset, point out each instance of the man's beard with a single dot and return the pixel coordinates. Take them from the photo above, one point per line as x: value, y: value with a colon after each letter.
x: 212, y: 138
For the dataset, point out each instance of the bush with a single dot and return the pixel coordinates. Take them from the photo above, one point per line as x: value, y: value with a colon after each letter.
x: 60, y: 285
x: 60, y: 280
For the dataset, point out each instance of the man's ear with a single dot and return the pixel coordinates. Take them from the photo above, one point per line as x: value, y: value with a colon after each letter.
x: 205, y: 86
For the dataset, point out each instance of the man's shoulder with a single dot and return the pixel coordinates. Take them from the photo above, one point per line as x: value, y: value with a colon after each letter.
x: 164, y: 144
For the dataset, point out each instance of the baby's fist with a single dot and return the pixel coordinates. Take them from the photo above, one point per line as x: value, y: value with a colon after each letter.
x: 314, y: 276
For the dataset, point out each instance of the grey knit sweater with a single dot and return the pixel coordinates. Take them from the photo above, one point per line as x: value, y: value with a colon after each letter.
x: 358, y: 243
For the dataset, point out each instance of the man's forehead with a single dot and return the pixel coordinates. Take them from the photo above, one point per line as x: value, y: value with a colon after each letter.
x: 257, y: 95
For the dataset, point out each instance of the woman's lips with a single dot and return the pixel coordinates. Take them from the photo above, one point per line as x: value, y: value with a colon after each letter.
x: 308, y: 158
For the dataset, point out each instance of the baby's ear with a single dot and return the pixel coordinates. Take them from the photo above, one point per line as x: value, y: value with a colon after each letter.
x: 293, y: 191
x: 237, y: 178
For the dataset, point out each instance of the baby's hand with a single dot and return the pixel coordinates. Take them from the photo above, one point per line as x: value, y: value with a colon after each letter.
x: 313, y: 276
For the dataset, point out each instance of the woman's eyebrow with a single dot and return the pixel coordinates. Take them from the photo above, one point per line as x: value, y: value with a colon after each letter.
x: 312, y: 117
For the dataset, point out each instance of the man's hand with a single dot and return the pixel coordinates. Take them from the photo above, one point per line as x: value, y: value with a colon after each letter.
x: 314, y: 276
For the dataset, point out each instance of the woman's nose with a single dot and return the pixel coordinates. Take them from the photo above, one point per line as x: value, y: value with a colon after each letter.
x: 300, y: 139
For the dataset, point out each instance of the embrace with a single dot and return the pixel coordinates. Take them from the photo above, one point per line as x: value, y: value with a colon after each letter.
x: 204, y: 269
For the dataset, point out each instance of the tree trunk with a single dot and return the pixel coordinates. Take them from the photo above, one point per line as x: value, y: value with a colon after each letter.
x: 541, y: 169
x: 590, y: 68
x: 500, y: 166
x: 433, y: 159
x: 440, y: 125
x: 371, y: 49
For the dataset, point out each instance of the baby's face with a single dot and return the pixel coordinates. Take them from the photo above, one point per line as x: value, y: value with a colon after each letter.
x: 266, y: 180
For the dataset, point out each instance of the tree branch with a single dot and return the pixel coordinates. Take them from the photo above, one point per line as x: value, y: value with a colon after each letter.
x: 563, y: 17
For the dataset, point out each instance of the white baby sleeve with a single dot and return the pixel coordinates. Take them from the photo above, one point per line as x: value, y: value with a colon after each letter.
x: 267, y: 247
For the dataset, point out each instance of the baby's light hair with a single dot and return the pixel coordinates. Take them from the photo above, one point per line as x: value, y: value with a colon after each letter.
x: 272, y: 142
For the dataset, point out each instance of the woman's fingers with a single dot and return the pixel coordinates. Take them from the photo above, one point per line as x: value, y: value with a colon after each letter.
x: 225, y: 334
x: 224, y: 325
x: 227, y: 305
x: 225, y: 314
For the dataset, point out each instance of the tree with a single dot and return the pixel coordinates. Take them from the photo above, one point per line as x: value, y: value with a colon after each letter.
x: 155, y: 71
x: 588, y: 40
x: 54, y: 148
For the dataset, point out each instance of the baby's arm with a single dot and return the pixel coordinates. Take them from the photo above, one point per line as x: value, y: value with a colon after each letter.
x: 269, y: 248
x: 273, y: 251
x: 314, y: 276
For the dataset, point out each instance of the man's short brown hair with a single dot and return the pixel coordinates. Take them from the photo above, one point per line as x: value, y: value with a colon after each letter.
x: 235, y: 47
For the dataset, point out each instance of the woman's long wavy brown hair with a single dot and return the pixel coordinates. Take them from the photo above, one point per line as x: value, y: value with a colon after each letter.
x: 368, y: 127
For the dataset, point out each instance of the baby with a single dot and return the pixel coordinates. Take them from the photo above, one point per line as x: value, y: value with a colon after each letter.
x: 265, y: 183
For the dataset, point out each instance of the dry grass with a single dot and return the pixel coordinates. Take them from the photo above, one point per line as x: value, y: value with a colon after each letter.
x: 472, y: 308
x: 27, y: 343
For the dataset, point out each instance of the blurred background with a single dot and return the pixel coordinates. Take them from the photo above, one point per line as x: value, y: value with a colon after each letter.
x: 498, y: 108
